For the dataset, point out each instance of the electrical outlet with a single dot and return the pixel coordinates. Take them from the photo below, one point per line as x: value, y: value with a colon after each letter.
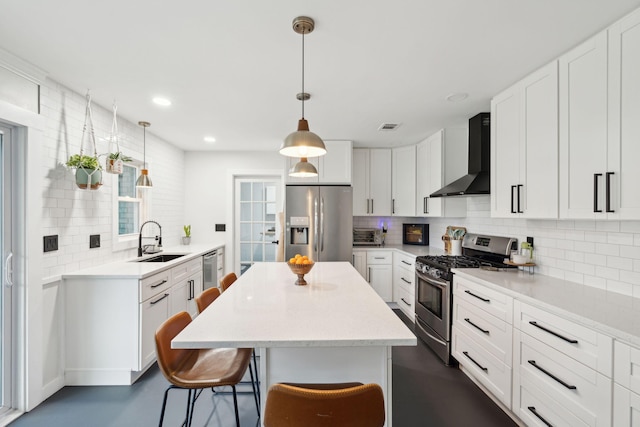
x: 94, y: 241
x: 50, y: 243
x: 530, y: 241
x: 221, y: 227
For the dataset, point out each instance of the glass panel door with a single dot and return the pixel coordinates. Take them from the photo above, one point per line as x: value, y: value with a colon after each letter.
x: 256, y: 220
x: 6, y: 270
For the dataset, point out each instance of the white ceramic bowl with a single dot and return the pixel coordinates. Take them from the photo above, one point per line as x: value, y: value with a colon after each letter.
x: 520, y: 259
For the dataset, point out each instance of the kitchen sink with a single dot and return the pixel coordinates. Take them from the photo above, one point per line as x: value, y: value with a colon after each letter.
x: 162, y: 258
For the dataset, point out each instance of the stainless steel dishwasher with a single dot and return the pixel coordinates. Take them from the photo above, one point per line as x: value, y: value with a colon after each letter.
x: 210, y: 270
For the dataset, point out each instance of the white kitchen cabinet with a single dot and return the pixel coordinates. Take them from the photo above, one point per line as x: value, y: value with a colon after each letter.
x: 403, y: 181
x: 187, y: 285
x: 524, y: 147
x: 626, y: 387
x: 440, y: 160
x: 333, y: 168
x: 583, y: 129
x: 360, y: 262
x: 623, y: 149
x: 404, y: 274
x: 153, y: 312
x: 371, y: 181
x: 481, y: 335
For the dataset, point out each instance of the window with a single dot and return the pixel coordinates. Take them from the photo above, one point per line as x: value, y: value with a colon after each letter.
x: 130, y: 206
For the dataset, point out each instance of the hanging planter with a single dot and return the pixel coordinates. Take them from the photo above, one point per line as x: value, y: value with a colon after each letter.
x: 88, y: 169
x: 115, y: 160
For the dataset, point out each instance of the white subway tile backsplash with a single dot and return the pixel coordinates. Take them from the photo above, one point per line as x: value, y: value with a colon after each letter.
x: 619, y: 287
x: 607, y: 249
x: 608, y: 273
x: 620, y: 263
x: 596, y: 282
x: 620, y: 238
x: 595, y: 236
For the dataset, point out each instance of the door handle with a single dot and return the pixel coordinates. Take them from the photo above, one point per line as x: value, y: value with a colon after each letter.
x: 393, y: 206
x: 595, y: 192
x: 315, y: 224
x: 425, y: 205
x: 371, y: 205
x: 519, y: 186
x: 608, y: 192
x: 8, y: 270
x: 321, y: 224
x: 275, y: 242
x: 513, y: 210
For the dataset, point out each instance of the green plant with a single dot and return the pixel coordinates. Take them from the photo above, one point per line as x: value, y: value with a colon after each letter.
x: 86, y: 162
x: 187, y: 230
x: 119, y: 156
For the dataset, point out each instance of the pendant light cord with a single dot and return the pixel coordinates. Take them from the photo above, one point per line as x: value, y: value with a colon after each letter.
x: 303, y: 95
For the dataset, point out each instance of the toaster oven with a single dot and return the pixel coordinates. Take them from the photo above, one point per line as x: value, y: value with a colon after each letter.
x: 367, y: 237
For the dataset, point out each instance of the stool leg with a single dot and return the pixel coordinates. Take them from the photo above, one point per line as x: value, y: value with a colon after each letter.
x: 255, y: 394
x: 235, y: 405
x: 255, y: 367
x: 164, y: 405
x: 189, y: 409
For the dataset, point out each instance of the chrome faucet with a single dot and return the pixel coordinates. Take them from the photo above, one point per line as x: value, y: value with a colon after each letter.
x: 158, y: 238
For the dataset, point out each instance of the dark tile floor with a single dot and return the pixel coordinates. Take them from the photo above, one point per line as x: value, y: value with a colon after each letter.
x: 425, y: 393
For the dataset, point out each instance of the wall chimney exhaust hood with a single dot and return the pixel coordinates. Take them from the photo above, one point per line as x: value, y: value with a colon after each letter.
x: 477, y: 180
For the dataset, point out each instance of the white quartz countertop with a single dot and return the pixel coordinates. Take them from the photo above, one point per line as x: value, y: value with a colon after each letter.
x: 611, y: 313
x: 415, y: 250
x: 264, y: 308
x: 130, y: 269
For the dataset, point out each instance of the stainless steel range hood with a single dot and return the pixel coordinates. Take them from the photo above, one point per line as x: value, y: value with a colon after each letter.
x: 477, y: 180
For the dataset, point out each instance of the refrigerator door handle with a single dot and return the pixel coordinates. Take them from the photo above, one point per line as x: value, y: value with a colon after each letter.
x: 321, y: 224
x: 315, y: 225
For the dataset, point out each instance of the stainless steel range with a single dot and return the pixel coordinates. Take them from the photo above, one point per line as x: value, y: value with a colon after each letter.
x: 434, y: 281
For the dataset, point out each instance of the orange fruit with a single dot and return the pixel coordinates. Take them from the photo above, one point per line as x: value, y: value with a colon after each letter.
x: 305, y: 257
x: 299, y: 261
x: 306, y: 261
x: 297, y: 256
x: 292, y: 260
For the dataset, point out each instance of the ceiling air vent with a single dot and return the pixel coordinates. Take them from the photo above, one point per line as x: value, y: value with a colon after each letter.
x: 388, y: 126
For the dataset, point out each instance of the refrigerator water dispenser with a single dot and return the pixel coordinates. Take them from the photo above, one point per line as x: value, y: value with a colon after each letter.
x: 299, y: 230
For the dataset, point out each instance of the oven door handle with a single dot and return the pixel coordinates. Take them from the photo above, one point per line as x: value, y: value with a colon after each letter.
x: 433, y: 281
x: 436, y: 339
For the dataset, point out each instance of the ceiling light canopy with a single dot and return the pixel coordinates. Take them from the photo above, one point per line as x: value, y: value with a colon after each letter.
x: 143, y: 180
x: 303, y: 143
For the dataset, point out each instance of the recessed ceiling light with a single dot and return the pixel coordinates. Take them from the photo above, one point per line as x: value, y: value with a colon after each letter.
x: 456, y: 97
x: 159, y: 100
x: 209, y: 139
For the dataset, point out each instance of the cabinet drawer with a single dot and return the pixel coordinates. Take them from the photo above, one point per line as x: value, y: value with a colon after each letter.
x: 404, y: 279
x: 379, y: 257
x: 626, y: 366
x: 626, y: 407
x: 580, y: 389
x: 154, y: 284
x: 494, y: 334
x: 579, y: 342
x: 186, y: 269
x: 536, y: 408
x: 406, y: 261
x: 488, y: 370
x: 493, y: 302
x: 406, y: 302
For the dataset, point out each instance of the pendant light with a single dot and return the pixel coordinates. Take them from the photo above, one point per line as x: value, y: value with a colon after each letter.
x: 303, y: 169
x: 143, y: 180
x: 303, y: 143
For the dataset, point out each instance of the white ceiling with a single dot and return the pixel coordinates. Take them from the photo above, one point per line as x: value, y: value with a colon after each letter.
x: 233, y: 68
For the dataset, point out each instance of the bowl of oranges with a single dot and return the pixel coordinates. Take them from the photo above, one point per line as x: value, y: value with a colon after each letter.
x: 300, y: 265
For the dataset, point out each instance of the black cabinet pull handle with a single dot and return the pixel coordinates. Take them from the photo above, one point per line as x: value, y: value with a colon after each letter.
x: 541, y: 369
x: 404, y: 301
x: 371, y: 205
x: 518, y: 187
x: 534, y: 412
x: 405, y: 280
x: 513, y: 209
x: 569, y: 340
x: 595, y: 192
x: 608, y: 192
x: 159, y: 299
x: 405, y: 262
x: 476, y: 363
x: 426, y: 205
x: 159, y: 284
x: 477, y: 296
x: 476, y: 326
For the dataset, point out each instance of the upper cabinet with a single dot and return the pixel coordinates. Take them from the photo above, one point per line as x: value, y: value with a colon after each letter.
x: 403, y: 181
x: 371, y: 181
x: 524, y: 147
x: 441, y: 159
x: 333, y: 168
x: 599, y: 126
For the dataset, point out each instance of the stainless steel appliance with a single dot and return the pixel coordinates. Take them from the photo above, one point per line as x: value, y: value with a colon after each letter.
x: 210, y: 270
x: 434, y: 281
x: 319, y: 222
x: 367, y: 237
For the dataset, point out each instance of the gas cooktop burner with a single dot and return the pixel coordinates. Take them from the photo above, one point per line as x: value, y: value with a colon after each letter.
x: 449, y: 261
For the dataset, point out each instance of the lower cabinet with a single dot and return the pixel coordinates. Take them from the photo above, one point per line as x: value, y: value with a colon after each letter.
x: 626, y: 385
x: 153, y: 312
x: 376, y: 267
x: 404, y: 276
x: 187, y: 285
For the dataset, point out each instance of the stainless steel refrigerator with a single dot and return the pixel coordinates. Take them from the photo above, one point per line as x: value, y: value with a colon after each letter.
x: 319, y: 222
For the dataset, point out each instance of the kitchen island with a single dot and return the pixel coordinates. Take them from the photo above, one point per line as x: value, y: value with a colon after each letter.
x: 335, y: 329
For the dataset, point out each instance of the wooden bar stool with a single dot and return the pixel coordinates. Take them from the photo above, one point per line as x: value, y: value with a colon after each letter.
x: 321, y: 405
x: 197, y: 369
x: 203, y: 301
